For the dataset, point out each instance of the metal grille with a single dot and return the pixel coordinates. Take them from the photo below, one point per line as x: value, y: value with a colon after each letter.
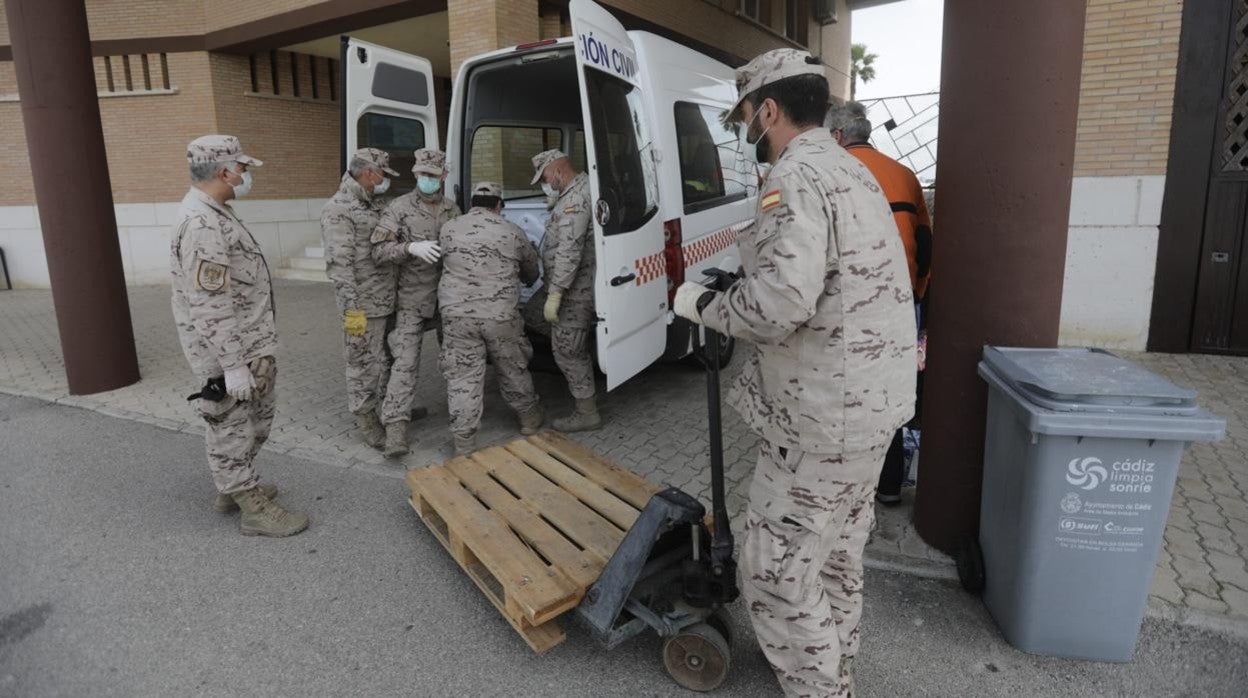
x: 1235, y: 138
x: 905, y: 129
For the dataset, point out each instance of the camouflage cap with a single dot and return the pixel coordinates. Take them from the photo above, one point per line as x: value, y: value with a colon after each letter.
x: 542, y: 160
x: 488, y: 189
x: 429, y: 161
x: 377, y: 158
x: 776, y: 64
x: 218, y: 148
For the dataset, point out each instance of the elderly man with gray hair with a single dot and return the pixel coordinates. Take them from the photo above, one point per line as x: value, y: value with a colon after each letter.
x: 852, y: 129
x: 364, y: 289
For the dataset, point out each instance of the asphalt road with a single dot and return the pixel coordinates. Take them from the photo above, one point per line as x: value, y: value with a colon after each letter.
x: 117, y: 578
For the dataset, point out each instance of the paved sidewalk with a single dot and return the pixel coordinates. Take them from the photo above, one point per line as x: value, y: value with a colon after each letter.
x: 655, y: 425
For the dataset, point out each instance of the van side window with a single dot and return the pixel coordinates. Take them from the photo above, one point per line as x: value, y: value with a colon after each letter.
x: 623, y: 151
x: 399, y: 137
x: 704, y: 147
x: 502, y: 154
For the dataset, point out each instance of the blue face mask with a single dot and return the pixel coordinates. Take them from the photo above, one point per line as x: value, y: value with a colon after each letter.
x: 428, y: 185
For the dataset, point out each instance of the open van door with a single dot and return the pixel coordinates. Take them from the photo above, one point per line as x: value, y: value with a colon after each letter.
x: 630, y: 286
x: 387, y: 103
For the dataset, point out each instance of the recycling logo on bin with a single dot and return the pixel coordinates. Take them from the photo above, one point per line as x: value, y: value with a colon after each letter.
x: 1087, y: 473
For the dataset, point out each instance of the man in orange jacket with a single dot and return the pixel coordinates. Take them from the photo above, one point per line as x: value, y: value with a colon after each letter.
x: 852, y: 130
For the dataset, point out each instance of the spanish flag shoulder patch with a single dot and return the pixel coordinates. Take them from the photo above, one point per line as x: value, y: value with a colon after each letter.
x: 770, y: 200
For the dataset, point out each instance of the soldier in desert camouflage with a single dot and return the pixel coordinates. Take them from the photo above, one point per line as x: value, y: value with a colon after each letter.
x: 407, y: 236
x: 223, y: 309
x: 826, y: 298
x: 364, y: 289
x: 567, y: 295
x: 485, y: 258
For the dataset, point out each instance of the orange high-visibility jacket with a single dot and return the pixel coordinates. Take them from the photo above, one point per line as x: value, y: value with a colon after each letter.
x: 905, y: 196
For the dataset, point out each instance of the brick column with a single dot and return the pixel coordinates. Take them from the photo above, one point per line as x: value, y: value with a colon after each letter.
x: 552, y: 23
x: 478, y: 26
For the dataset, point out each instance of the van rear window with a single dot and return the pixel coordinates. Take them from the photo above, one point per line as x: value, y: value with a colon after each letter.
x: 398, y: 136
x: 503, y: 154
x: 708, y: 153
x: 627, y: 179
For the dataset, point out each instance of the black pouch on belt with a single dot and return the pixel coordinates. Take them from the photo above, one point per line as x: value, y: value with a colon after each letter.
x: 213, y: 390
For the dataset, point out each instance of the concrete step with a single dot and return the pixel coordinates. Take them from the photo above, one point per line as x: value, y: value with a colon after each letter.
x: 307, y: 263
x: 300, y: 274
x: 314, y: 252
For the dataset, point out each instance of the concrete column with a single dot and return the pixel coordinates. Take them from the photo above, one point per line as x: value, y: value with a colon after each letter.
x: 1008, y: 106
x: 478, y: 26
x: 56, y: 84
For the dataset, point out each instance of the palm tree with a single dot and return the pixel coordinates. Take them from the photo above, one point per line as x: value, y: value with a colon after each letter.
x: 860, y: 67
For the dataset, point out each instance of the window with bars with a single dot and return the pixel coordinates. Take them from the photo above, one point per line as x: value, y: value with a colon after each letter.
x: 294, y: 76
x: 1235, y: 137
x: 133, y: 74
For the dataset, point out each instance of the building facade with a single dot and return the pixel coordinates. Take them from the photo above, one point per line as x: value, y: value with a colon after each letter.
x: 168, y: 71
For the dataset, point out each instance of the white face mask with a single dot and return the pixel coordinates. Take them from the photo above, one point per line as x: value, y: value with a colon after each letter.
x: 550, y: 190
x: 241, y: 189
x: 382, y: 186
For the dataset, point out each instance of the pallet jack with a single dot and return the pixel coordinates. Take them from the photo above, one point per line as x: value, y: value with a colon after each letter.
x: 670, y: 573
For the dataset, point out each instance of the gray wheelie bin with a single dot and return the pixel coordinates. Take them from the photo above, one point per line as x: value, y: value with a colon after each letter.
x: 1081, y: 453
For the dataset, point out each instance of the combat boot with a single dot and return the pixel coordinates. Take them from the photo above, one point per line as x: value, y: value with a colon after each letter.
x: 225, y: 503
x: 531, y: 421
x: 265, y: 517
x: 583, y: 418
x: 371, y: 430
x: 465, y: 445
x: 396, y: 440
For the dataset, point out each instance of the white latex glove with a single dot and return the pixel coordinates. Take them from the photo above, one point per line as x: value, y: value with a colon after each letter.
x: 686, y: 303
x: 427, y: 250
x: 239, y: 383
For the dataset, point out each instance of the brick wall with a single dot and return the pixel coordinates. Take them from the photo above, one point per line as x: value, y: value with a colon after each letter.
x: 1129, y: 58
x: 130, y: 19
x: 298, y: 138
x: 145, y: 135
x: 479, y: 26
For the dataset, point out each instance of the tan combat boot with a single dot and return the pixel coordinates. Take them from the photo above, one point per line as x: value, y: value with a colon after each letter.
x: 371, y: 430
x: 396, y: 440
x: 225, y: 503
x: 531, y: 421
x: 465, y: 445
x: 583, y: 418
x: 265, y: 517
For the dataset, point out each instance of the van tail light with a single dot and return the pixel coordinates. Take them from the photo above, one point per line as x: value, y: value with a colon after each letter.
x: 673, y: 257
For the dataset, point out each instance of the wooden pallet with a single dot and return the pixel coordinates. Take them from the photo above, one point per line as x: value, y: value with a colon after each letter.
x: 532, y: 523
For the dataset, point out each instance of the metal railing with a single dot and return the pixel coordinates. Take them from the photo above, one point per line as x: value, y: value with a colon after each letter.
x: 905, y: 129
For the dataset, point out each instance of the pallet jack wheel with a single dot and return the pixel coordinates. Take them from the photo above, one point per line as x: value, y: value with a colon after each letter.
x: 698, y: 657
x: 970, y: 559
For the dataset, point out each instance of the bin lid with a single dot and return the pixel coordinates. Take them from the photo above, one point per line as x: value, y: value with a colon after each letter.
x: 1087, y: 380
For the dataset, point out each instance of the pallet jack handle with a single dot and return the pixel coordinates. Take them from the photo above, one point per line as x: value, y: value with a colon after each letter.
x: 721, y: 542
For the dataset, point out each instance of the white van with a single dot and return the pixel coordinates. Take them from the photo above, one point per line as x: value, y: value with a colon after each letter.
x: 639, y: 113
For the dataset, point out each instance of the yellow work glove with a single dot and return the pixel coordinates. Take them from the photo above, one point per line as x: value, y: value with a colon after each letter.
x: 355, y: 322
x: 552, y: 307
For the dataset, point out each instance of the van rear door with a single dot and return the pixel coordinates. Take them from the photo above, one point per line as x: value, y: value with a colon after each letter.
x: 388, y: 104
x: 631, y: 285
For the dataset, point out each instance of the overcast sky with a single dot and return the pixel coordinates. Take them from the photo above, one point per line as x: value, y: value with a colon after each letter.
x: 906, y: 36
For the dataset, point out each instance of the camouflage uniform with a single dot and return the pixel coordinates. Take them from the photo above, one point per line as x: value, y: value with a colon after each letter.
x: 826, y: 298
x: 410, y: 218
x: 223, y: 309
x: 568, y: 268
x: 347, y: 223
x: 484, y: 259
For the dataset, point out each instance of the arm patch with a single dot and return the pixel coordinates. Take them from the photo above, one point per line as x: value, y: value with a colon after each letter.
x: 212, y: 277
